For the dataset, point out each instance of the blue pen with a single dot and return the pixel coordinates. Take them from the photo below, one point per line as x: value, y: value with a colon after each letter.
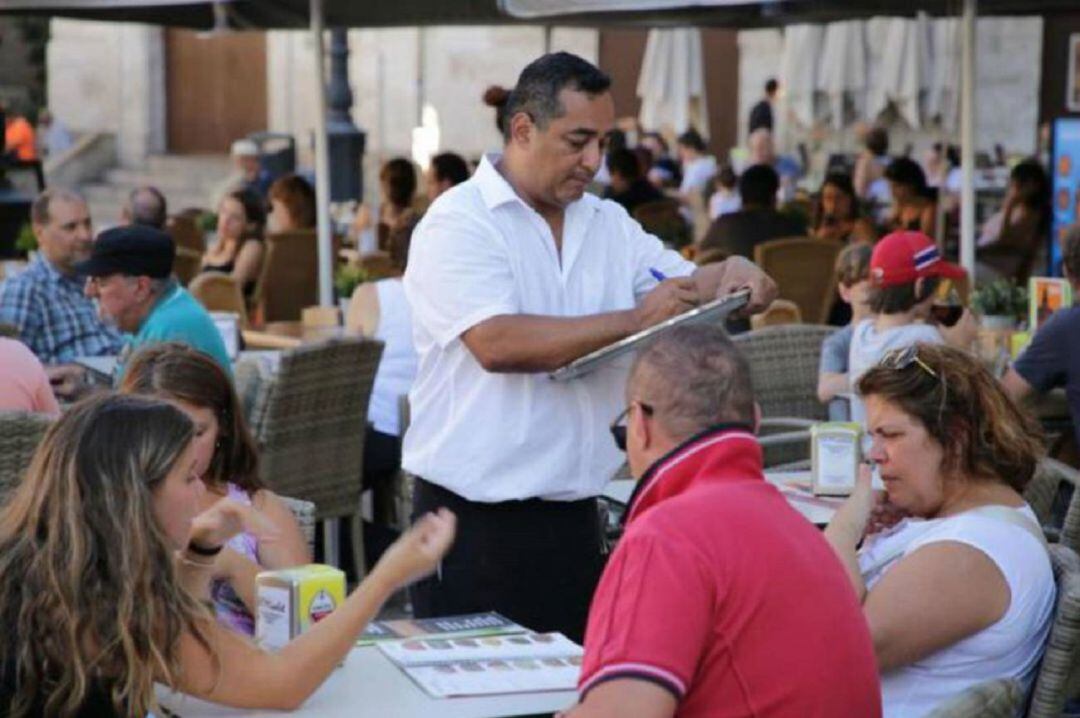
x: 657, y: 274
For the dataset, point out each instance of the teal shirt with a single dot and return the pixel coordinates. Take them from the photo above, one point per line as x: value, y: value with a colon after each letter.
x: 178, y: 317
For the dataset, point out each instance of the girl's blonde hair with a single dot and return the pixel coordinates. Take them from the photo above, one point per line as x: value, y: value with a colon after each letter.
x: 88, y: 589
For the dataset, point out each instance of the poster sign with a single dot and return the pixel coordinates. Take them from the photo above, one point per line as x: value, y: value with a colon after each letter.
x: 1065, y: 183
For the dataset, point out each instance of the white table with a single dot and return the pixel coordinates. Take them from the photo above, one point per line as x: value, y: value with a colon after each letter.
x: 817, y: 509
x: 370, y: 685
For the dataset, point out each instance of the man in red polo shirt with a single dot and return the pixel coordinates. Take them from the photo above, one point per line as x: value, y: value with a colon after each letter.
x: 720, y: 600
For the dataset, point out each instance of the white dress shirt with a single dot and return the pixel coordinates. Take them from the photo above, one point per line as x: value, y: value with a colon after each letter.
x: 479, y: 252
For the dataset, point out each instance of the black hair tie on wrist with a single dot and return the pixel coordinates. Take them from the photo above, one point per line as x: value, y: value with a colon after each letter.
x: 202, y: 550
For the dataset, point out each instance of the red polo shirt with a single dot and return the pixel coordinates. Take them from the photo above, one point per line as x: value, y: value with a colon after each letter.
x: 724, y: 595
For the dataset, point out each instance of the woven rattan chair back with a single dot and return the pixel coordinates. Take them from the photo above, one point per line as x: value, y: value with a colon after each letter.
x: 1041, y: 492
x: 1060, y: 662
x: 20, y: 434
x: 304, y: 511
x: 803, y: 270
x: 999, y: 698
x: 219, y: 292
x: 310, y: 419
x: 784, y: 364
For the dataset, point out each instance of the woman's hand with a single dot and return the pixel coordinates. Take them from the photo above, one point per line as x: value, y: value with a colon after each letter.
x: 225, y: 519
x: 853, y: 517
x: 419, y: 550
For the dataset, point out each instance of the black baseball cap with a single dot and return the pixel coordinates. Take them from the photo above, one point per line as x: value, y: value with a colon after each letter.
x: 136, y: 251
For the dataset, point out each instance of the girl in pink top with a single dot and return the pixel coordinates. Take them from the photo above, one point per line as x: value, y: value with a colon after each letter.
x: 228, y: 464
x: 24, y: 386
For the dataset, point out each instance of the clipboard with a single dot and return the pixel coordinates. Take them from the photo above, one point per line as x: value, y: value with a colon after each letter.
x: 712, y: 312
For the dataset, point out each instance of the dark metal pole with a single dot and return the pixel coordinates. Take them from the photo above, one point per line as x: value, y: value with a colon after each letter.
x: 346, y: 140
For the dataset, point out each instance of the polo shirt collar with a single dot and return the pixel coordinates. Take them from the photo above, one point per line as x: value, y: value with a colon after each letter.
x: 724, y: 452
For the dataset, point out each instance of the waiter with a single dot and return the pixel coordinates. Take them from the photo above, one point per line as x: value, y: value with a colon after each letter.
x: 512, y: 274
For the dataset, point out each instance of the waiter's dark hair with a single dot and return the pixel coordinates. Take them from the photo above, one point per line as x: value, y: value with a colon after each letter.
x: 694, y: 377
x: 538, y: 87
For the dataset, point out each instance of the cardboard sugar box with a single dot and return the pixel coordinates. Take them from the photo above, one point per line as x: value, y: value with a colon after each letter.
x: 835, y: 449
x: 292, y: 600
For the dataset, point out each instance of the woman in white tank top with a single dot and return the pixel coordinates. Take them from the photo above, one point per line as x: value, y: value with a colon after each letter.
x: 960, y: 591
x: 379, y: 310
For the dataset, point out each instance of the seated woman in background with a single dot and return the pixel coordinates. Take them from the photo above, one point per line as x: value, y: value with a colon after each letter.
x: 836, y: 213
x: 1011, y: 236
x: 292, y: 205
x: 913, y: 206
x: 227, y: 463
x: 24, y: 385
x: 105, y: 560
x: 961, y: 591
x: 239, y: 248
x: 379, y: 310
x: 397, y: 191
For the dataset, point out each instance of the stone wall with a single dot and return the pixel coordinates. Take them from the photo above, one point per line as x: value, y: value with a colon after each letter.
x: 389, y: 89
x: 1008, y: 76
x: 110, y: 77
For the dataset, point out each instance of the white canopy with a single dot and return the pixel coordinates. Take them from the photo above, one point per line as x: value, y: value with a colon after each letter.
x: 841, y: 70
x: 798, y: 70
x: 672, y: 81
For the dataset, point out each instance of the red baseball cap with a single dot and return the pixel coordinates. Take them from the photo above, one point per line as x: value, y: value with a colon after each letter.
x: 903, y: 257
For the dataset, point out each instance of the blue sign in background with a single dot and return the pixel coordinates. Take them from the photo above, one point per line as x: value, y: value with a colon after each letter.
x: 1065, y: 181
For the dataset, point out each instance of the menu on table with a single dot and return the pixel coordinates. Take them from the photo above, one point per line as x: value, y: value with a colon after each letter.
x: 463, y: 626
x: 488, y: 665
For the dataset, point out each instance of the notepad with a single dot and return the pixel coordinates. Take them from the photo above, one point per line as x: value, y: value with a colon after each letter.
x: 715, y: 312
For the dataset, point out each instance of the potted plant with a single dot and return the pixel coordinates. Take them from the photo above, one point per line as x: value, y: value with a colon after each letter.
x: 26, y: 241
x: 1001, y: 303
x: 346, y: 280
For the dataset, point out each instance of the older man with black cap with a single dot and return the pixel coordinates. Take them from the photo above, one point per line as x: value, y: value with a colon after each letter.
x: 130, y: 275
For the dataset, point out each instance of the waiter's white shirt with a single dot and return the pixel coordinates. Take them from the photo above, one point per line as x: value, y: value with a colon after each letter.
x: 481, y: 251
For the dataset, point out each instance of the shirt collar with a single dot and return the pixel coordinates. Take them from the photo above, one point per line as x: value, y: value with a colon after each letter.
x: 723, y: 452
x: 55, y: 275
x: 493, y: 186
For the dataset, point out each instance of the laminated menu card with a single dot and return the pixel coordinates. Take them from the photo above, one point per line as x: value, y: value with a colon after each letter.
x: 464, y: 626
x: 488, y: 665
x: 834, y: 457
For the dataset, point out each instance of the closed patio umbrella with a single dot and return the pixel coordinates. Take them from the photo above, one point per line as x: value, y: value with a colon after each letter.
x: 842, y: 68
x: 672, y: 81
x: 798, y: 70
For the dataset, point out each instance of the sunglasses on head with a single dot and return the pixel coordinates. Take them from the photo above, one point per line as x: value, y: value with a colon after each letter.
x: 618, y: 427
x: 900, y: 359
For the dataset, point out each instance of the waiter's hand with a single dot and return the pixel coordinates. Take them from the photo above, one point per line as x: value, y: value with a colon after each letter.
x: 741, y: 273
x: 670, y: 298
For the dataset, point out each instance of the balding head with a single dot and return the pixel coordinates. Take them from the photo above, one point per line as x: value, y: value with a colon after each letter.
x: 760, y: 145
x: 146, y: 207
x: 693, y: 377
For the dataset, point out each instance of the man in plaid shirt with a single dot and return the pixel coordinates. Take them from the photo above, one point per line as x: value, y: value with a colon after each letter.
x: 46, y: 302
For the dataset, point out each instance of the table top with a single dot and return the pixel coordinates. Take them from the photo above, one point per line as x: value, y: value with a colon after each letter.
x: 793, y: 484
x: 370, y: 685
x: 289, y: 335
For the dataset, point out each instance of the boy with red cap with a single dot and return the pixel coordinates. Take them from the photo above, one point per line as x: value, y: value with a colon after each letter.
x: 905, y: 271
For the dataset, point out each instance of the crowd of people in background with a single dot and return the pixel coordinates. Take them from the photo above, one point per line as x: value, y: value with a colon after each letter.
x: 471, y: 324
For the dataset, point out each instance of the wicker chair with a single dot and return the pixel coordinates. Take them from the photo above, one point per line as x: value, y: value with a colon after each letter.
x: 289, y: 278
x: 304, y: 511
x: 187, y: 265
x: 803, y: 270
x: 784, y: 372
x: 20, y: 434
x: 220, y: 292
x: 1041, y: 493
x: 184, y: 230
x: 781, y: 311
x: 663, y: 218
x: 1054, y: 682
x: 999, y: 698
x: 309, y: 419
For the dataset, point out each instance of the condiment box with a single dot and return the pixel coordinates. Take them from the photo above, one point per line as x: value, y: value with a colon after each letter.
x: 835, y: 450
x: 291, y: 600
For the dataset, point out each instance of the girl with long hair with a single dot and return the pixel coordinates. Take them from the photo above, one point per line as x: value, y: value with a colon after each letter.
x: 228, y: 464
x: 104, y: 563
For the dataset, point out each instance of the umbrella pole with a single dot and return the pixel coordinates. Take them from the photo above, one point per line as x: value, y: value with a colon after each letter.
x: 322, y: 161
x: 967, y: 140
